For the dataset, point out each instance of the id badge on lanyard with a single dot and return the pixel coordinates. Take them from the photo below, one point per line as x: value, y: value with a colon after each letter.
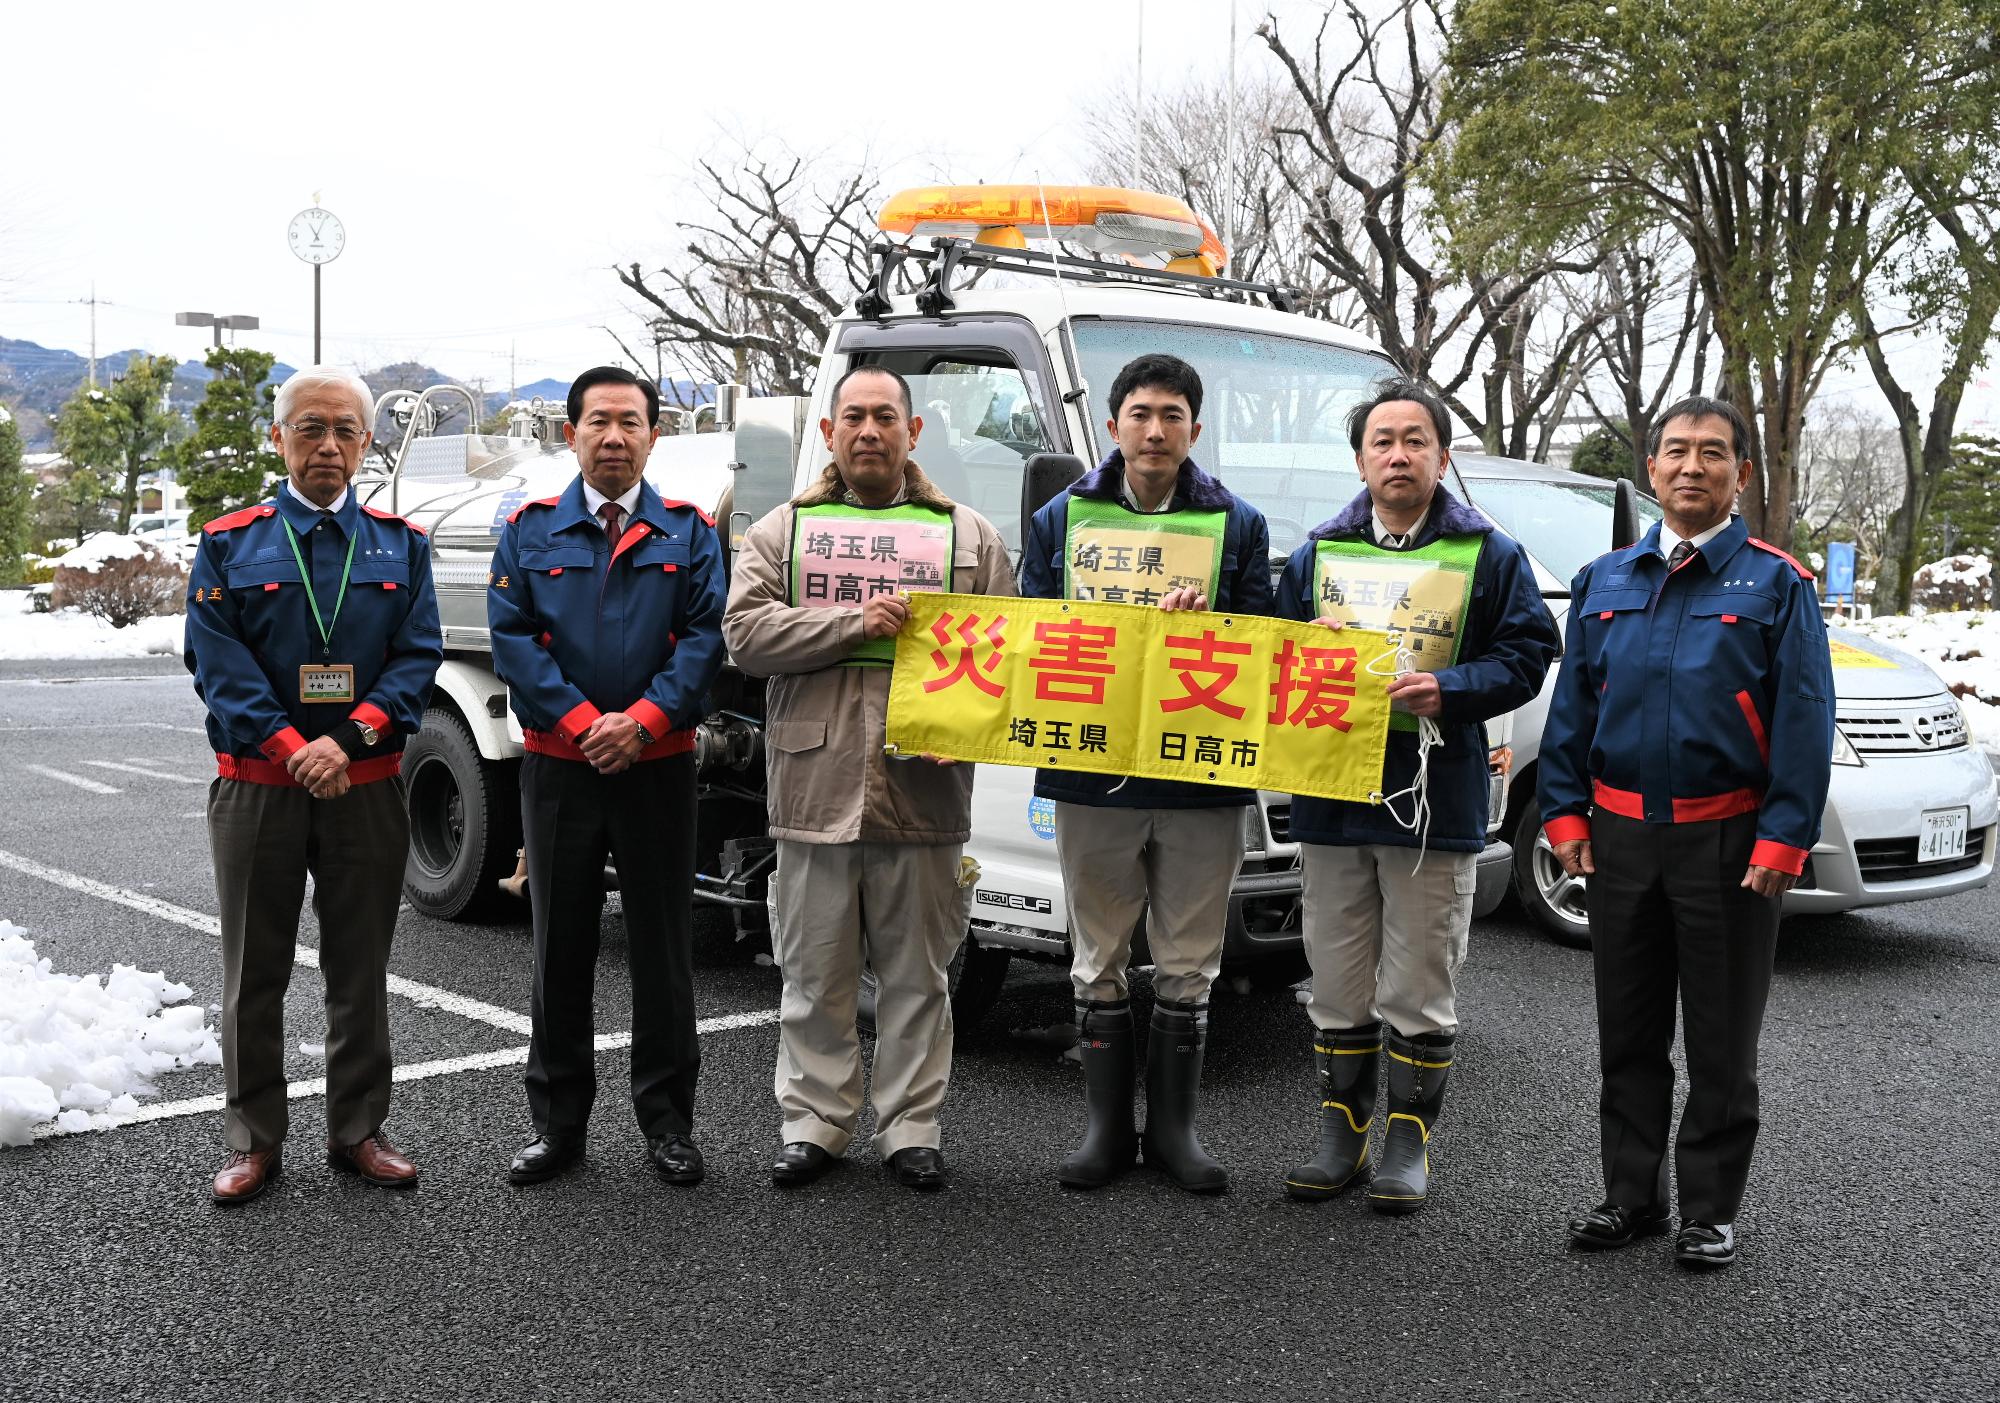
x: 326, y: 681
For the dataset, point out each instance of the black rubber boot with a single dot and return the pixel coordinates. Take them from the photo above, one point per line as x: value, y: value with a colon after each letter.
x: 1418, y: 1070
x: 1173, y: 1077
x: 1349, y: 1060
x: 1110, y: 1140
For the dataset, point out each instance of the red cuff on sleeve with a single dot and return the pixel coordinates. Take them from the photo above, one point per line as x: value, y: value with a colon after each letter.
x: 283, y: 746
x: 1567, y: 828
x: 1779, y: 857
x: 369, y: 714
x: 651, y: 717
x: 579, y: 720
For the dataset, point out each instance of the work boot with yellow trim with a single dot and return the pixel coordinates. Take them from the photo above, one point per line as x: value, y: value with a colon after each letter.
x: 1349, y: 1061
x: 1418, y: 1070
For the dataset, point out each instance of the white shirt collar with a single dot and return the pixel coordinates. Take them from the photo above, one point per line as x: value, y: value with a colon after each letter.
x: 1132, y: 498
x: 1393, y: 539
x: 334, y: 506
x: 1668, y: 538
x: 595, y: 500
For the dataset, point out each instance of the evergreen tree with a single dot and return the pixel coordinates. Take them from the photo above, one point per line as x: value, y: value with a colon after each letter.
x: 17, y: 489
x: 229, y: 462
x: 1602, y: 453
x: 115, y: 435
x: 1966, y: 507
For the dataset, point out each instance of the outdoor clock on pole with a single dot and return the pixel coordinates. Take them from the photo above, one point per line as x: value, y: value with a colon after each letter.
x: 317, y: 236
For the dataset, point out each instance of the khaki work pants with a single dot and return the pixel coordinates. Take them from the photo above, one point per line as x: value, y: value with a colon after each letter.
x: 264, y: 838
x: 1174, y: 867
x: 1385, y: 941
x: 899, y: 908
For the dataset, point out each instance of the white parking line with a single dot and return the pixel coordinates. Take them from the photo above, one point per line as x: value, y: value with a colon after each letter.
x: 414, y: 1071
x: 78, y: 780
x: 149, y: 774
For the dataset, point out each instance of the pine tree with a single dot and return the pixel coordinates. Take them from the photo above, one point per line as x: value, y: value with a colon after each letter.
x: 117, y: 434
x: 17, y: 490
x: 229, y: 462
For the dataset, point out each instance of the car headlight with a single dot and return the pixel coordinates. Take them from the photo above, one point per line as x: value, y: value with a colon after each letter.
x: 1844, y: 752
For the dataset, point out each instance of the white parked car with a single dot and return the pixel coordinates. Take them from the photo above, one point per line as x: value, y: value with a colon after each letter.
x: 1912, y: 808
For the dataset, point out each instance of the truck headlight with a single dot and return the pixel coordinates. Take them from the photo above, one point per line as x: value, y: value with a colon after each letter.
x: 1844, y: 752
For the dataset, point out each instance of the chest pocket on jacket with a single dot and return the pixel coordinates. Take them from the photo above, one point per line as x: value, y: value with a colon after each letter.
x: 1734, y: 608
x: 1602, y: 609
x: 266, y: 568
x: 965, y: 569
x: 656, y: 552
x: 382, y: 573
x: 553, y: 560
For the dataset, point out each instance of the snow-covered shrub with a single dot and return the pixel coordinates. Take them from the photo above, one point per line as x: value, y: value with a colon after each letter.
x: 120, y: 579
x: 1957, y: 582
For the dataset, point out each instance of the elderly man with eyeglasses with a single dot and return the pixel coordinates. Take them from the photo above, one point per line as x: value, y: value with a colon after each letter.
x: 312, y: 634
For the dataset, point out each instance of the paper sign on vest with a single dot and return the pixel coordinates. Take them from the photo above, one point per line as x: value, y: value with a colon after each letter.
x: 842, y: 557
x: 1123, y: 557
x: 1223, y: 699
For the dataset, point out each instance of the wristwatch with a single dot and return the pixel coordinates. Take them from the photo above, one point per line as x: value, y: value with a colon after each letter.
x: 369, y: 735
x: 645, y: 736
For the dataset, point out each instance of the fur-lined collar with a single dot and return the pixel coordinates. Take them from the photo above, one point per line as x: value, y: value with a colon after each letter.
x: 1448, y: 517
x: 918, y: 490
x: 1195, y: 489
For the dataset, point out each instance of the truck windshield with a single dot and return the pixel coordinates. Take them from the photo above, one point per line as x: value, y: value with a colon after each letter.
x: 1563, y: 525
x: 1273, y: 416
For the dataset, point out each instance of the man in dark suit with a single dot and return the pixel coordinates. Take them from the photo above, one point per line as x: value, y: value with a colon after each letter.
x: 606, y: 610
x: 1684, y: 769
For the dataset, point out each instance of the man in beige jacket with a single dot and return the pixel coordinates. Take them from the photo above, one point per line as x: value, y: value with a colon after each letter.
x: 868, y: 845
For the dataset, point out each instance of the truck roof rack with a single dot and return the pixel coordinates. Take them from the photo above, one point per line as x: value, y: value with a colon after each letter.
x: 947, y: 256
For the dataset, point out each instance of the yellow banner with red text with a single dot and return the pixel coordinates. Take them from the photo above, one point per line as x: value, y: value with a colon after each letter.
x: 1224, y: 699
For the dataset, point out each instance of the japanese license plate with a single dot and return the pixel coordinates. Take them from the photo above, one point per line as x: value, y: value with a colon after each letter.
x: 1942, y: 836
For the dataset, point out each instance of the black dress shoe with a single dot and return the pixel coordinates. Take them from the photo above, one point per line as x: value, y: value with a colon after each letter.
x: 918, y: 1167
x: 800, y: 1162
x: 1706, y: 1246
x: 544, y: 1157
x: 1613, y: 1225
x: 677, y: 1158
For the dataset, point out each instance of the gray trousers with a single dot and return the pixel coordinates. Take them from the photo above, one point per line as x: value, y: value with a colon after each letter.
x: 1385, y: 941
x: 899, y: 908
x: 1174, y: 867
x: 264, y: 839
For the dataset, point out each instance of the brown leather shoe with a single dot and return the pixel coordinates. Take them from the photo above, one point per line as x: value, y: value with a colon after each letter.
x: 245, y: 1175
x: 375, y: 1160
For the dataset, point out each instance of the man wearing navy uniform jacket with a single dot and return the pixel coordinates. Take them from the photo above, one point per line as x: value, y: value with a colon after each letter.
x: 1148, y: 527
x: 312, y: 634
x: 605, y: 605
x: 1389, y: 886
x: 1684, y: 769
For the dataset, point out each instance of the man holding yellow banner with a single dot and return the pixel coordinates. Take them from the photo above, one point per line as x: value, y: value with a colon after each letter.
x: 1389, y: 885
x: 868, y: 845
x: 1147, y: 528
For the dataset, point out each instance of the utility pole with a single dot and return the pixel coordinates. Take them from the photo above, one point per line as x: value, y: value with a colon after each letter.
x: 1139, y: 98
x: 93, y: 300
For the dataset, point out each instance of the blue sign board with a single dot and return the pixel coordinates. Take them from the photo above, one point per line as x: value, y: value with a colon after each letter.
x: 1840, y: 570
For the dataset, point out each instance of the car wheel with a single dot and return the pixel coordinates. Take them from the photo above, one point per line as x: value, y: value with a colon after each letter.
x: 1549, y: 894
x: 465, y: 821
x: 976, y: 973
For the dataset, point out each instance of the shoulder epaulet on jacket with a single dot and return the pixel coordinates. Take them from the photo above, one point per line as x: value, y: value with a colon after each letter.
x: 515, y: 515
x: 381, y: 515
x: 238, y: 518
x: 1804, y: 573
x: 677, y: 502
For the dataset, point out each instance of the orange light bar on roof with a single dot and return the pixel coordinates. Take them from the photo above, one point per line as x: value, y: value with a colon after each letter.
x: 1102, y: 218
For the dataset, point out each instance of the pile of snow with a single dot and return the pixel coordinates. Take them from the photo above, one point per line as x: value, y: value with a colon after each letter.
x: 104, y: 546
x: 1963, y: 648
x: 76, y: 1053
x: 71, y: 633
x: 1957, y: 582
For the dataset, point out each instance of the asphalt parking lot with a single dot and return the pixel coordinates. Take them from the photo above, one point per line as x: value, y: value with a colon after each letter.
x: 1869, y: 1238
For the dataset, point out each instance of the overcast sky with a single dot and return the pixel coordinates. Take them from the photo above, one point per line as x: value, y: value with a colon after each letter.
x: 491, y: 161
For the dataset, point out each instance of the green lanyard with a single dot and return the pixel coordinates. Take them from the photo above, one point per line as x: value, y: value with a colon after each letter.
x: 325, y: 626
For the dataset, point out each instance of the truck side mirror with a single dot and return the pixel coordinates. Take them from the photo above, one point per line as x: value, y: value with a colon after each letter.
x: 1625, y: 515
x: 1045, y: 476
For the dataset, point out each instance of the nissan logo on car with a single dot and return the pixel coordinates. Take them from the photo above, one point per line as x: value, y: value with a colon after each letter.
x: 1926, y: 729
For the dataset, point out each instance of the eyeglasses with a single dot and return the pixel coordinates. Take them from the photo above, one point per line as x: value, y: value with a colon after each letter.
x: 312, y: 431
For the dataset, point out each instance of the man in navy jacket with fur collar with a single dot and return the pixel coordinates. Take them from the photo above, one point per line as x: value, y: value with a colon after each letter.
x: 1389, y: 886
x: 1148, y: 527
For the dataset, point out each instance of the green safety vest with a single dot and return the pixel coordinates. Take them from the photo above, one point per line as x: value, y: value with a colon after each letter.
x: 1118, y: 556
x: 1418, y: 597
x: 841, y: 559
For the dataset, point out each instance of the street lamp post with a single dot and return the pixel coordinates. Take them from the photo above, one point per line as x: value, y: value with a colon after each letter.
x: 233, y: 322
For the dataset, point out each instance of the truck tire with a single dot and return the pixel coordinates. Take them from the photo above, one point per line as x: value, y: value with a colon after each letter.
x: 1549, y: 894
x: 976, y: 972
x: 465, y: 821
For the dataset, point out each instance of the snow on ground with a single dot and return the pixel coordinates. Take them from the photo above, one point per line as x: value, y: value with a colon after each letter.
x: 77, y: 1052
x: 70, y: 633
x: 1963, y: 648
x: 104, y: 546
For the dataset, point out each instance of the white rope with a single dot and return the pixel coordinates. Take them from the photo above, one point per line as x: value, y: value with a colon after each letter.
x: 1428, y: 738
